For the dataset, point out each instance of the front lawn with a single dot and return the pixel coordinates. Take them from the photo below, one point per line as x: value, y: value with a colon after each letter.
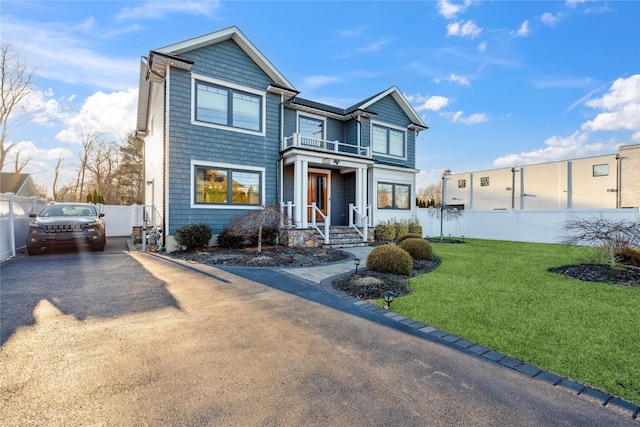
x: 500, y: 295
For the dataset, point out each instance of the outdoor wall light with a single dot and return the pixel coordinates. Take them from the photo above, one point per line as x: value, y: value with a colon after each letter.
x: 388, y: 298
x: 341, y: 248
x: 356, y: 261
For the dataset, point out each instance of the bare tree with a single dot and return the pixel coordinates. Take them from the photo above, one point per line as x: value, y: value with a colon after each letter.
x: 16, y: 83
x: 20, y: 165
x: 445, y: 213
x: 609, y: 234
x: 430, y: 195
x: 56, y: 176
x: 102, y: 166
x: 255, y: 221
x: 89, y: 142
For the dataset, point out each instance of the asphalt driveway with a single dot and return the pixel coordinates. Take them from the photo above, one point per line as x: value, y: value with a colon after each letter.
x: 131, y: 339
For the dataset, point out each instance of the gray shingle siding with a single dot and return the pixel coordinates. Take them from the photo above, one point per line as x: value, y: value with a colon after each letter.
x: 388, y: 111
x: 224, y: 61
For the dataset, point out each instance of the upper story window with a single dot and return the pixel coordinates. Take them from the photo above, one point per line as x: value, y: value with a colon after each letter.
x: 484, y: 181
x: 225, y: 106
x: 462, y: 183
x: 601, y: 170
x: 385, y: 140
x: 310, y: 127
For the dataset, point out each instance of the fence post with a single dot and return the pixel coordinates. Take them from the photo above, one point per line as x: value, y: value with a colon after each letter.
x: 12, y: 227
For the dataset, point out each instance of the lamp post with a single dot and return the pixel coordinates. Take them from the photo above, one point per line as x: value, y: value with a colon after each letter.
x: 388, y: 298
x: 443, y: 198
x: 356, y: 261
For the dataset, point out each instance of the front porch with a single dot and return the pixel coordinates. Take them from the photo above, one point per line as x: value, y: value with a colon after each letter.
x: 339, y: 237
x: 324, y: 186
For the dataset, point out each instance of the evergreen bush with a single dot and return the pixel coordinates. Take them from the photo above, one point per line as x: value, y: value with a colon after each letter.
x: 401, y: 228
x: 390, y: 259
x: 385, y: 232
x: 415, y: 227
x: 226, y: 239
x: 408, y: 236
x: 193, y: 235
x: 418, y: 248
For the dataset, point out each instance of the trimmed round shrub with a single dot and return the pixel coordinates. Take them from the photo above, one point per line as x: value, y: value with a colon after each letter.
x: 408, y: 236
x: 193, y: 235
x: 385, y: 232
x: 415, y: 228
x: 390, y: 259
x: 418, y: 248
x: 401, y: 229
x: 226, y: 239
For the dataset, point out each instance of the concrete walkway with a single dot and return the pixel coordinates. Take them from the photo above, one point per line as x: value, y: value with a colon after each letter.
x: 323, y: 272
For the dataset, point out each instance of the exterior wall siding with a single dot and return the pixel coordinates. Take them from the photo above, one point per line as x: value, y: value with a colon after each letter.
x: 339, y: 207
x: 389, y: 112
x: 188, y: 141
x: 630, y: 176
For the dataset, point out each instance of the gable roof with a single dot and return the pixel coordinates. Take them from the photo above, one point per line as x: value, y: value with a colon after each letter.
x: 241, y: 40
x: 400, y: 100
x: 153, y: 68
x: 361, y: 108
x: 17, y: 183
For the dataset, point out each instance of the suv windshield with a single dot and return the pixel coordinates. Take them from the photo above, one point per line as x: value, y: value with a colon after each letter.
x: 54, y: 210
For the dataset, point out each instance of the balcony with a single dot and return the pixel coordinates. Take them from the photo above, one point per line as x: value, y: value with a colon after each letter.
x: 307, y: 143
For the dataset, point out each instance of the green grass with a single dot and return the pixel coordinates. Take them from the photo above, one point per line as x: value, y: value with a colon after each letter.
x: 500, y: 295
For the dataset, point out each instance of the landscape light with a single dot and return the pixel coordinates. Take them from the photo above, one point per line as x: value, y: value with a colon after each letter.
x: 388, y: 298
x: 356, y: 261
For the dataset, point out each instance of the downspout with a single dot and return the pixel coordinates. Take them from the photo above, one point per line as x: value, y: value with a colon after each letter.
x: 618, y: 183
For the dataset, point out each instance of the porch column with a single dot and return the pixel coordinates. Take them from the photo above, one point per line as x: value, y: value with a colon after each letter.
x: 300, y: 188
x: 361, y: 193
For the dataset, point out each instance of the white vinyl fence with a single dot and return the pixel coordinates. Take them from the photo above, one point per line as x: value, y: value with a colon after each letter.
x: 536, y: 226
x: 14, y: 220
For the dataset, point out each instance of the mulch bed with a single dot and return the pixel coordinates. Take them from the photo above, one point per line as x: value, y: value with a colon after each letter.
x: 600, y: 273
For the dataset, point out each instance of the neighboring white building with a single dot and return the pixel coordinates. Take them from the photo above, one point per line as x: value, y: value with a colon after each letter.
x: 609, y: 181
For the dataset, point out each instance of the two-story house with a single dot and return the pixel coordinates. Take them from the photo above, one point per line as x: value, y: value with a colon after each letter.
x: 225, y: 132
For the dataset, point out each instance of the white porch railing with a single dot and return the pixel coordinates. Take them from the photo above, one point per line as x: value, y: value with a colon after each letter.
x: 354, y: 213
x: 297, y: 140
x: 287, y: 212
x: 314, y: 212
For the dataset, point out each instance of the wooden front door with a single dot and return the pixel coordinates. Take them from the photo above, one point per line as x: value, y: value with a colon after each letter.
x: 317, y: 192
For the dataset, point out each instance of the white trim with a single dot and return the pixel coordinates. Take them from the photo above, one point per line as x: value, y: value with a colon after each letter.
x: 165, y: 156
x: 232, y: 166
x: 199, y: 77
x: 389, y: 126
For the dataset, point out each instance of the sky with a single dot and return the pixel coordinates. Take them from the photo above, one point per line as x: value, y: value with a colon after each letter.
x: 498, y: 83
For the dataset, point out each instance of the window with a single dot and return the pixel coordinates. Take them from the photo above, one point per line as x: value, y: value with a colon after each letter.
x: 601, y: 170
x: 228, y: 107
x: 484, y: 181
x: 387, y: 141
x: 311, y: 128
x: 227, y: 186
x: 462, y: 183
x: 393, y: 196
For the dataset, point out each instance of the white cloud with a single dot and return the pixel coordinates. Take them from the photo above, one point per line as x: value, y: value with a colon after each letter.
x: 473, y: 119
x: 464, y: 29
x: 574, y: 3
x: 432, y: 103
x: 425, y: 178
x: 523, y: 31
x: 559, y: 148
x: 449, y: 10
x: 112, y: 115
x: 162, y: 9
x: 59, y: 52
x: 620, y: 107
x: 454, y: 78
x: 482, y: 46
x: 549, y: 18
x: 313, y: 82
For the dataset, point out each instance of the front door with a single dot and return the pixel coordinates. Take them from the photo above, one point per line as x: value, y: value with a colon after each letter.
x: 317, y: 192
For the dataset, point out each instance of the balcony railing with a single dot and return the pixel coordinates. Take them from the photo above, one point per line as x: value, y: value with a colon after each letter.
x: 299, y: 141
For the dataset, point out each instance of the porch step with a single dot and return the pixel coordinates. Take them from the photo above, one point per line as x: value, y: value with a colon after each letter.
x: 345, y: 237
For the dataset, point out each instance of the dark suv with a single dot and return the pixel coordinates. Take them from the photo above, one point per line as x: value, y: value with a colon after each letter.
x: 66, y: 224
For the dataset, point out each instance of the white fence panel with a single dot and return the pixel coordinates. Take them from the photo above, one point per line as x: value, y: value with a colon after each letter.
x: 119, y: 220
x: 537, y: 226
x: 14, y: 222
